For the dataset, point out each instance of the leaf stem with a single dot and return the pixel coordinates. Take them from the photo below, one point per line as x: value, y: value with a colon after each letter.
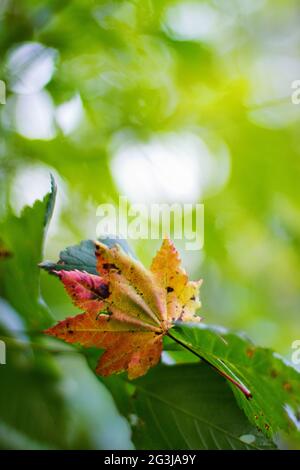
x: 239, y: 385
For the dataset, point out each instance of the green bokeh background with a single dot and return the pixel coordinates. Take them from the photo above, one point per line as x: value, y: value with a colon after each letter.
x: 149, y: 71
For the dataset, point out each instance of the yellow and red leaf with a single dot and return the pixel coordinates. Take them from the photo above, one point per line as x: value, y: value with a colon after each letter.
x: 128, y: 309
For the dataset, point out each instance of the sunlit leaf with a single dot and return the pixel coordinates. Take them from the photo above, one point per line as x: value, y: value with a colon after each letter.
x: 125, y: 309
x: 274, y: 384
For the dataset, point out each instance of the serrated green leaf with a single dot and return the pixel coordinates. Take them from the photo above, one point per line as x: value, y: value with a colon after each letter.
x: 82, y: 256
x: 38, y: 410
x: 189, y: 407
x: 275, y: 385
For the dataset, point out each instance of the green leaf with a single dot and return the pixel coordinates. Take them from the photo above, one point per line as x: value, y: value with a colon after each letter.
x: 82, y: 256
x: 275, y: 385
x: 50, y: 202
x: 24, y: 238
x: 189, y: 407
x: 38, y: 409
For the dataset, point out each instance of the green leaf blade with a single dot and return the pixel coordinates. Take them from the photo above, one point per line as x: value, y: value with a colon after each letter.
x: 82, y: 256
x: 24, y: 236
x: 274, y: 385
x: 190, y: 407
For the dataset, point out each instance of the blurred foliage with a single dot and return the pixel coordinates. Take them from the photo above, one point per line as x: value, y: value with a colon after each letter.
x: 45, y: 402
x: 134, y: 71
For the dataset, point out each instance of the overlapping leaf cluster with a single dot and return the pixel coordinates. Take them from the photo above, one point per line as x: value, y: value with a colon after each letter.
x: 129, y: 310
x: 133, y: 313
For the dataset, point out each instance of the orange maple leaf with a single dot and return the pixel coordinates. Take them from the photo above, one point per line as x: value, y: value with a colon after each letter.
x: 128, y: 308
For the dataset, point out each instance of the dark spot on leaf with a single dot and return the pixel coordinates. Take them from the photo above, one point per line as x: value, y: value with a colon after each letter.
x: 250, y: 352
x: 287, y: 386
x: 5, y: 253
x: 274, y: 373
x: 109, y: 266
x: 101, y: 292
